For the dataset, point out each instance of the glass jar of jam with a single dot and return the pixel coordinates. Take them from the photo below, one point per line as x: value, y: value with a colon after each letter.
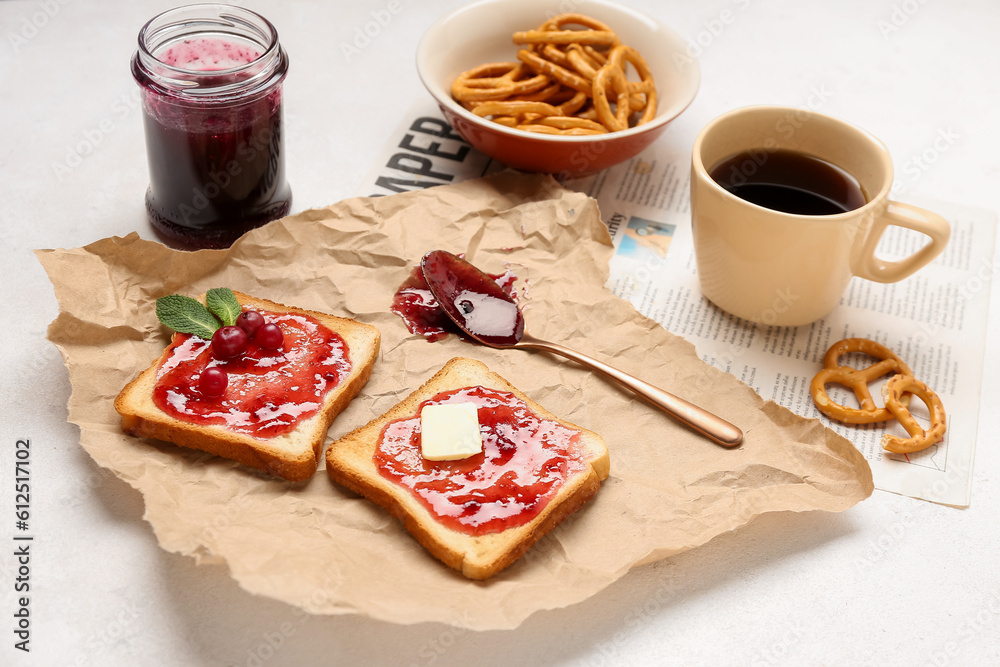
x: 211, y: 78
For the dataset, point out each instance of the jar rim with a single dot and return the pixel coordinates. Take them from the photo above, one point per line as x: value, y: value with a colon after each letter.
x: 216, y: 19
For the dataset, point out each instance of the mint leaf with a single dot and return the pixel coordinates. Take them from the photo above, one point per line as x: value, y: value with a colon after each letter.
x: 187, y: 315
x: 223, y: 304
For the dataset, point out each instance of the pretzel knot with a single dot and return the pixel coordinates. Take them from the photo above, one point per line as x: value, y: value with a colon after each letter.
x: 559, y: 64
x: 568, y: 125
x: 520, y: 110
x: 857, y: 380
x: 496, y: 81
x: 553, y: 70
x: 893, y: 392
x: 611, y: 82
x: 551, y: 32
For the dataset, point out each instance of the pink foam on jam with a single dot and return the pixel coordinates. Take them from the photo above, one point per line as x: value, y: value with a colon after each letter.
x: 207, y: 54
x: 525, y: 460
x: 270, y: 391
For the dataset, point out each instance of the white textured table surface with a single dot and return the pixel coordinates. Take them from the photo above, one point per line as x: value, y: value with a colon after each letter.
x: 892, y: 581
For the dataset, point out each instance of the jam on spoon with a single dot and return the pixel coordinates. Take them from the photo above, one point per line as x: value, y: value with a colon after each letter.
x: 422, y: 315
x: 488, y: 314
x: 473, y: 300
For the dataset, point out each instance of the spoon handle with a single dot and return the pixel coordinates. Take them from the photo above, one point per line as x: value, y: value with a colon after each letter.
x: 701, y: 420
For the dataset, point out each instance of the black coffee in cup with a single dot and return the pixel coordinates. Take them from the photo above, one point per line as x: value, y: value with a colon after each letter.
x: 789, y: 181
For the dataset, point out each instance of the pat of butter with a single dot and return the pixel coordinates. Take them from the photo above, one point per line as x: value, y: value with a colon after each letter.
x: 450, y: 431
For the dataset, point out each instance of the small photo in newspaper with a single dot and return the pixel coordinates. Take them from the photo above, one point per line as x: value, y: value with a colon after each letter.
x: 643, y: 236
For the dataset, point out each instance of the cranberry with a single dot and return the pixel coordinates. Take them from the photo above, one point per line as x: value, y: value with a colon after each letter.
x: 229, y: 342
x: 269, y: 336
x: 213, y: 381
x: 250, y: 321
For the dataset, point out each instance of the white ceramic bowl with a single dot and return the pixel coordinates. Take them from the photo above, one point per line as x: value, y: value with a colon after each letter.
x: 481, y: 33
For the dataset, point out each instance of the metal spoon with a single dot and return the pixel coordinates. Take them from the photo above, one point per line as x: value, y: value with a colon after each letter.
x: 485, y: 312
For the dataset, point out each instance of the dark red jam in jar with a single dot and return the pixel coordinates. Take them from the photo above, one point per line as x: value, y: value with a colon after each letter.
x: 211, y: 78
x: 525, y: 460
x: 269, y: 392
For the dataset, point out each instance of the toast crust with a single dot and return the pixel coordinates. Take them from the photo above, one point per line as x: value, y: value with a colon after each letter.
x: 293, y: 456
x: 349, y: 462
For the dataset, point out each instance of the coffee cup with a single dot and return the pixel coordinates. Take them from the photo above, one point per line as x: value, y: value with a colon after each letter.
x: 787, y: 205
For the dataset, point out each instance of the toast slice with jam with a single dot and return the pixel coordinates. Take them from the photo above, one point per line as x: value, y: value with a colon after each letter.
x: 277, y: 404
x: 478, y: 514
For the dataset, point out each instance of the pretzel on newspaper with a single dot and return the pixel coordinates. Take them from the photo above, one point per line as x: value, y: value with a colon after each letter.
x: 894, y: 391
x: 612, y: 76
x: 856, y: 380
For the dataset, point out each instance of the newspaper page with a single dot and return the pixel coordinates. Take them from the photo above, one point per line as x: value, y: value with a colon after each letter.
x: 936, y: 320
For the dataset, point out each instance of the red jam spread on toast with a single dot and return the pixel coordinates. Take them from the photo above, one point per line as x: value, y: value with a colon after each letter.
x: 270, y: 391
x: 525, y: 460
x: 418, y: 308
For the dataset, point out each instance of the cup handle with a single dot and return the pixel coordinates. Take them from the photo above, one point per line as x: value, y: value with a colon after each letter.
x: 872, y: 267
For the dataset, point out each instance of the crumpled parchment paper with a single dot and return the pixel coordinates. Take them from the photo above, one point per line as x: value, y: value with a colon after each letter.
x: 327, y: 551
